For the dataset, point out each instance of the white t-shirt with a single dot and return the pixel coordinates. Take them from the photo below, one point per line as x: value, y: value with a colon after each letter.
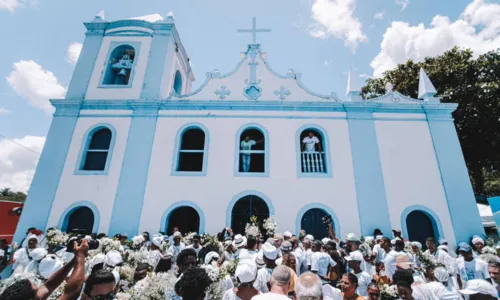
x: 380, y: 253
x: 263, y: 277
x: 475, y: 269
x: 320, y: 262
x: 270, y: 296
x: 364, y: 279
x: 389, y: 260
x: 175, y: 250
x: 248, y: 254
x: 331, y: 293
x: 246, y: 147
x: 310, y: 143
x: 197, y: 250
x: 444, y: 292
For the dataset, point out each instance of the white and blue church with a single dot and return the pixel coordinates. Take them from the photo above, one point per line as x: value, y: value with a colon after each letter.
x: 133, y: 147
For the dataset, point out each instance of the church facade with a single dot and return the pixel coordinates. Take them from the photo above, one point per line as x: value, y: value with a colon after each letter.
x: 133, y: 147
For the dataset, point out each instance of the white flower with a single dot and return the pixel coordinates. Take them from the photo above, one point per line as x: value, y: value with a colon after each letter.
x: 212, y: 272
x: 138, y: 240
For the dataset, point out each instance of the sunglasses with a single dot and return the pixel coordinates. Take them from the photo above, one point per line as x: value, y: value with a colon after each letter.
x: 109, y: 296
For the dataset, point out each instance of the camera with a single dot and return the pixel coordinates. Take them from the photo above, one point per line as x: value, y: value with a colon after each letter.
x: 327, y: 219
x: 93, y: 244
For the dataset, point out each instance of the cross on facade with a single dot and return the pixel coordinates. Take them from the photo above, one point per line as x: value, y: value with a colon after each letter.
x: 254, y: 30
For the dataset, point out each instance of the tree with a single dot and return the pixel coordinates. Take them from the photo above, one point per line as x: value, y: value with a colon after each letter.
x: 475, y: 85
x: 6, y: 192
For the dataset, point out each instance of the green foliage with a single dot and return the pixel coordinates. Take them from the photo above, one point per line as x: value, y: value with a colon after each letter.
x: 9, y: 195
x: 473, y: 83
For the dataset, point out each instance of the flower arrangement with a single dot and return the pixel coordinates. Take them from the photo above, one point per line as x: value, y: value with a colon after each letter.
x: 489, y: 250
x: 56, y: 237
x: 388, y: 293
x: 252, y: 230
x: 137, y: 241
x: 188, y: 238
x: 154, y: 286
x: 228, y: 268
x: 107, y: 244
x: 270, y: 225
x: 428, y: 261
x: 212, y: 272
x: 365, y: 249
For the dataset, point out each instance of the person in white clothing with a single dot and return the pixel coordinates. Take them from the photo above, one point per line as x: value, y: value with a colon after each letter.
x: 22, y: 257
x: 321, y: 262
x: 354, y: 261
x: 469, y: 268
x: 311, y: 143
x: 245, y: 274
x: 270, y: 254
x: 280, y: 283
x: 176, y: 247
x: 196, y: 246
x: 246, y: 152
x: 478, y: 243
x: 440, y: 255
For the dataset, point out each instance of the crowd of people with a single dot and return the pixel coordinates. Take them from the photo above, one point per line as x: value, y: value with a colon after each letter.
x: 251, y: 265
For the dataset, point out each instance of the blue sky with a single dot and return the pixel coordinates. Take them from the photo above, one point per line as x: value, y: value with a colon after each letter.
x: 319, y: 38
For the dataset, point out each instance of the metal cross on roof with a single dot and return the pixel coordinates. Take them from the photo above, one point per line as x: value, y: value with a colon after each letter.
x: 254, y: 30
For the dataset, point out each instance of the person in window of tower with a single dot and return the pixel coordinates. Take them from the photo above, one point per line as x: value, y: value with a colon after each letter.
x: 246, y: 148
x: 310, y: 142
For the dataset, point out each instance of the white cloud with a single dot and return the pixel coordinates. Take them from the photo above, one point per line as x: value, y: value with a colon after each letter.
x: 31, y: 81
x: 477, y: 28
x: 334, y: 18
x: 17, y: 163
x: 9, y: 5
x: 402, y: 3
x: 4, y: 111
x: 74, y: 51
x: 364, y: 76
x: 379, y: 15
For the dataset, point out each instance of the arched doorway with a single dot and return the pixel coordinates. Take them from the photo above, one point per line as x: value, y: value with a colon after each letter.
x: 185, y: 218
x: 312, y: 223
x: 244, y: 209
x: 80, y: 220
x: 420, y: 226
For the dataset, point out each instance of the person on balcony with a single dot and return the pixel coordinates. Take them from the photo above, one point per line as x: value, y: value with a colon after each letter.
x: 246, y: 151
x: 310, y: 142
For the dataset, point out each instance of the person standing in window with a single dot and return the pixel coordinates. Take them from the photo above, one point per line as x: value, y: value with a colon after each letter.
x: 309, y: 143
x: 246, y: 151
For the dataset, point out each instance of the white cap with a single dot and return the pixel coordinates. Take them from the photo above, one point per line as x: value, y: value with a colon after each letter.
x: 270, y: 252
x: 479, y: 286
x: 210, y: 257
x: 325, y: 241
x: 157, y: 241
x: 239, y: 241
x: 177, y: 233
x: 393, y: 241
x: 287, y: 234
x: 351, y: 237
x: 113, y: 258
x: 379, y: 237
x: 442, y: 241
x: 97, y: 259
x: 355, y: 255
x: 49, y: 265
x: 246, y: 270
x: 38, y: 253
x: 259, y: 260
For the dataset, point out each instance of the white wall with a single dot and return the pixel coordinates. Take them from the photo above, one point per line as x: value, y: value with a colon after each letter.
x: 214, y: 191
x: 411, y: 172
x: 134, y: 92
x: 98, y: 189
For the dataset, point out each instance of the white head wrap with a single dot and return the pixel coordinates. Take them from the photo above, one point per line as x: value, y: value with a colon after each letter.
x: 477, y: 239
x: 351, y: 237
x: 113, y: 258
x: 210, y: 257
x: 49, y: 265
x: 417, y: 244
x: 246, y: 270
x: 325, y: 241
x: 441, y: 274
x: 38, y: 253
x: 379, y: 237
x: 177, y: 233
x: 369, y: 239
x: 309, y: 237
x: 157, y: 241
x: 38, y: 238
x: 287, y: 234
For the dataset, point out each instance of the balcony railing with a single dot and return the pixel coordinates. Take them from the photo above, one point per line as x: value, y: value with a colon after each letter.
x: 313, y: 162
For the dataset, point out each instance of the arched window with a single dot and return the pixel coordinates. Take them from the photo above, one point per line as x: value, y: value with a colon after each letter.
x: 191, y: 150
x: 178, y: 83
x: 420, y: 226
x: 120, y: 66
x: 244, y: 209
x: 80, y: 220
x: 185, y: 218
x: 252, y: 152
x: 96, y: 153
x: 312, y: 152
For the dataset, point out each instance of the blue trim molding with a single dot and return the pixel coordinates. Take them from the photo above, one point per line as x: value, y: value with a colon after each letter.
x: 87, y: 138
x: 166, y: 215
x: 326, y: 149
x: 462, y: 205
x: 127, y: 207
x: 237, y: 155
x: 112, y: 46
x: 370, y: 188
x: 229, y: 210
x: 156, y: 66
x: 41, y: 195
x: 436, y: 222
x: 178, y: 142
x: 323, y: 207
x: 63, y: 220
